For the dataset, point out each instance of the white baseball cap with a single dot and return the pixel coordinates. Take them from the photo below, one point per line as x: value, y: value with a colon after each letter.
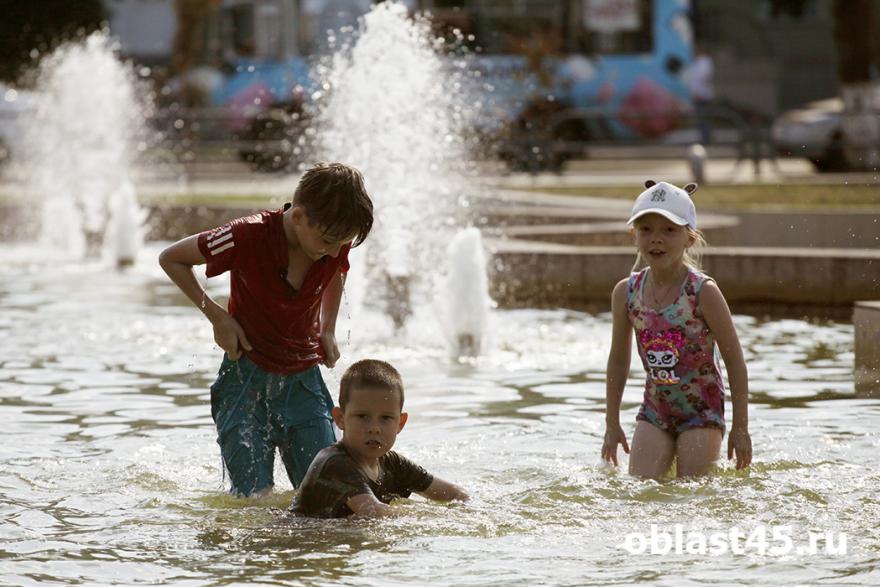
x: 669, y: 201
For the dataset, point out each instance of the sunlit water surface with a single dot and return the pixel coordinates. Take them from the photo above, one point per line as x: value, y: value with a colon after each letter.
x: 110, y: 474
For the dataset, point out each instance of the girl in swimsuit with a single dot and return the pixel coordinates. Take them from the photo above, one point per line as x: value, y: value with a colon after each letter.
x: 680, y: 320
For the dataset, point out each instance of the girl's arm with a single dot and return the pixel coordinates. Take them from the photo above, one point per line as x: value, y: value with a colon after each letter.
x: 616, y: 373
x: 329, y: 311
x: 714, y: 309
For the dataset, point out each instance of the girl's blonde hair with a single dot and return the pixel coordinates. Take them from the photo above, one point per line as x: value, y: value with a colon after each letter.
x: 693, y: 255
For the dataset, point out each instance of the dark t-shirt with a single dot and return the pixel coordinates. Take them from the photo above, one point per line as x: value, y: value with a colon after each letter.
x: 281, y: 323
x: 334, y: 477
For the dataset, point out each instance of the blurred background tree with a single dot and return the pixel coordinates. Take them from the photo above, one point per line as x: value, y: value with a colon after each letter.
x: 858, y: 46
x: 793, y: 8
x: 857, y: 37
x: 188, y: 39
x: 30, y: 28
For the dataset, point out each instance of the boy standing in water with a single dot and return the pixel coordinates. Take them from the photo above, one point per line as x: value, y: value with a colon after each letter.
x: 361, y: 474
x: 287, y: 270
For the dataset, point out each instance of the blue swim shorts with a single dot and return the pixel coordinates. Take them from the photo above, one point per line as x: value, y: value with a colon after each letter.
x: 256, y: 411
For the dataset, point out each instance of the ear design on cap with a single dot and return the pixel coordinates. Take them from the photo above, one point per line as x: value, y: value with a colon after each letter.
x: 650, y: 183
x: 691, y: 188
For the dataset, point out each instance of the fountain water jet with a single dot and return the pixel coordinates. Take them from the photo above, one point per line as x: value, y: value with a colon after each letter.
x: 394, y: 107
x: 79, y: 148
x: 468, y: 304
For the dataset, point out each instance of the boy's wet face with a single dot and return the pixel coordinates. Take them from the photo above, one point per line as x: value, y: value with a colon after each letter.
x: 370, y: 422
x: 314, y: 239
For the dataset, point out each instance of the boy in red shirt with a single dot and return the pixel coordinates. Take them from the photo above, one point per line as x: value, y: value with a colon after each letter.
x: 287, y: 271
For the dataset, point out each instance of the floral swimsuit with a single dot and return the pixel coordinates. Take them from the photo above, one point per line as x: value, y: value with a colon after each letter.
x: 684, y: 388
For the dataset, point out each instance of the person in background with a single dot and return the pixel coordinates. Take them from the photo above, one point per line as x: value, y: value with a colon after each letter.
x: 699, y: 77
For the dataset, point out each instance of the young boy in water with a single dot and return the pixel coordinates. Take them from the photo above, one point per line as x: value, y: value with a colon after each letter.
x: 361, y: 474
x: 287, y: 270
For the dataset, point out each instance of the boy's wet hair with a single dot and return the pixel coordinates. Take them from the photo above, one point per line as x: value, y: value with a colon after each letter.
x: 370, y: 373
x: 335, y: 198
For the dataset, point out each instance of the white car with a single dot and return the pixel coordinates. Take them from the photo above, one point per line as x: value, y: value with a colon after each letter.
x: 813, y: 131
x: 14, y: 106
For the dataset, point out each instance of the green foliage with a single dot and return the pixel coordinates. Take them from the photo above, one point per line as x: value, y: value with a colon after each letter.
x: 30, y: 28
x: 794, y: 8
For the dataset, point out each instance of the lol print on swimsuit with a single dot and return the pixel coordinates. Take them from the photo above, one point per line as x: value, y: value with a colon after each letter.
x: 662, y: 352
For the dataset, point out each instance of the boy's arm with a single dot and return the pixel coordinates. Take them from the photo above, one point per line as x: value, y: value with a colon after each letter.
x: 178, y: 261
x: 441, y: 490
x: 330, y: 302
x: 366, y: 505
x: 616, y: 373
x: 717, y: 315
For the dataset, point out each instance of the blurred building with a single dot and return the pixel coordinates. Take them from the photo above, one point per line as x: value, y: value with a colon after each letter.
x: 764, y: 61
x: 769, y: 61
x: 145, y: 28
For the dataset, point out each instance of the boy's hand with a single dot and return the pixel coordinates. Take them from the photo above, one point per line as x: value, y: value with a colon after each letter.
x: 230, y: 336
x: 331, y: 349
x: 441, y: 490
x: 613, y: 436
x: 740, y: 442
x: 366, y: 505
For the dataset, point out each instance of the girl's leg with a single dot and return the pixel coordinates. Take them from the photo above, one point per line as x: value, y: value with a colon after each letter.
x: 697, y: 450
x: 652, y: 451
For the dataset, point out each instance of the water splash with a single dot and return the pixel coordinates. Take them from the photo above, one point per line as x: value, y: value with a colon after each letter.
x: 79, y: 148
x: 393, y: 106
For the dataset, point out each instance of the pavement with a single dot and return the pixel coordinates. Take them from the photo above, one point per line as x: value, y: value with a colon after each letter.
x: 602, y: 171
x: 236, y: 178
x: 633, y: 171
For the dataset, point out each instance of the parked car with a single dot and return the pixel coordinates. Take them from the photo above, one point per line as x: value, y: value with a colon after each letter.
x: 813, y: 131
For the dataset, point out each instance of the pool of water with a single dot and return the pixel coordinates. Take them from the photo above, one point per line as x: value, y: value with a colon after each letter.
x: 110, y: 474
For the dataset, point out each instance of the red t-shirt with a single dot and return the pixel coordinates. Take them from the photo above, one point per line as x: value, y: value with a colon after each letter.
x: 281, y: 323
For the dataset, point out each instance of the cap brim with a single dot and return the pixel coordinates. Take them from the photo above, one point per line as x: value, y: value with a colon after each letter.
x: 664, y: 213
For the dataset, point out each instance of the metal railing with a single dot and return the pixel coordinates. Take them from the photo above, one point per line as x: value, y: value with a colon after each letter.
x: 190, y: 142
x: 546, y: 143
x: 266, y: 141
